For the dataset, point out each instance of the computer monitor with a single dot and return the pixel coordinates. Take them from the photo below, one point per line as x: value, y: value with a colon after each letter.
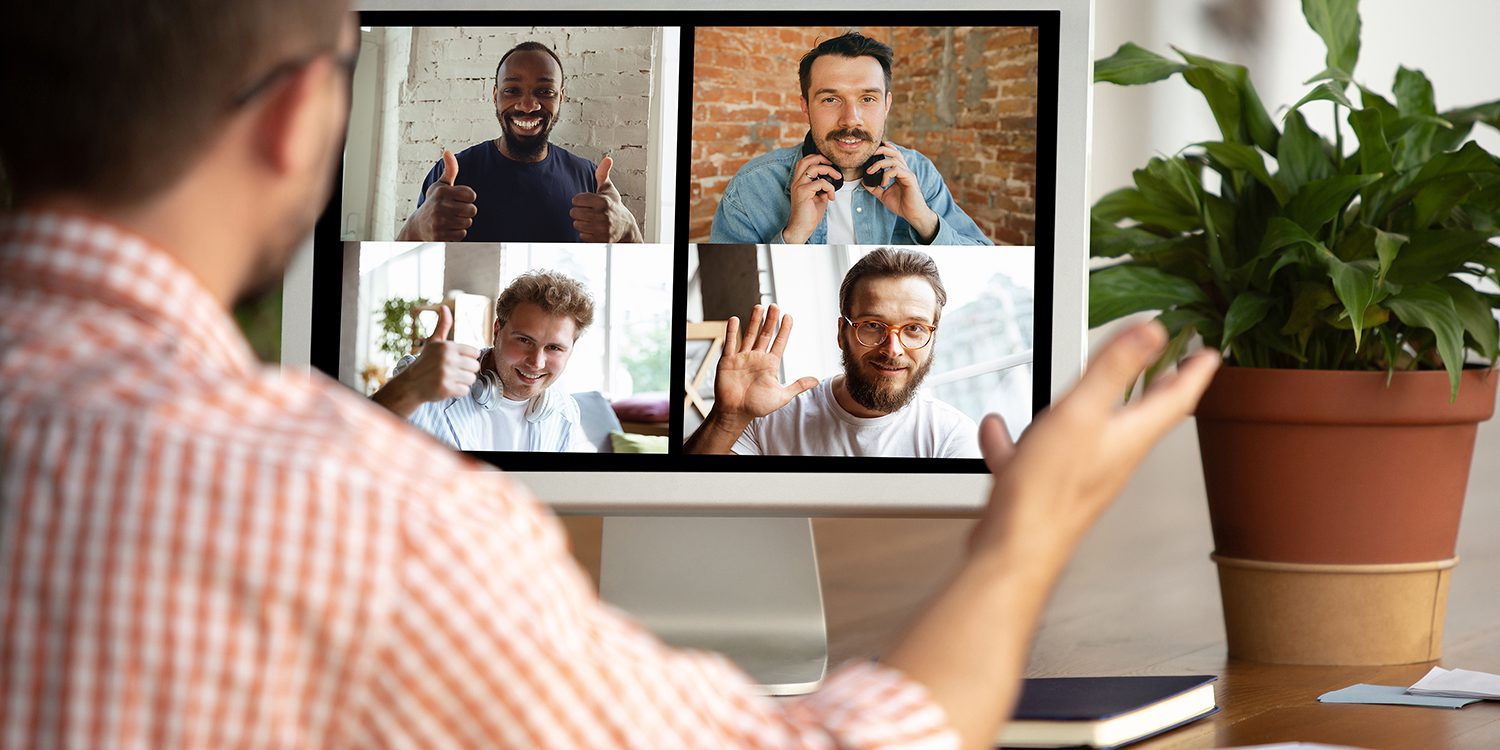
x: 989, y: 103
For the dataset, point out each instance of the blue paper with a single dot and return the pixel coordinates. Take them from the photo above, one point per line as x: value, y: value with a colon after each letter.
x: 1392, y: 695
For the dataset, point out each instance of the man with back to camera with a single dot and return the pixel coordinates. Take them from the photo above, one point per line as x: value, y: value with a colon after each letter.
x: 889, y: 305
x: 520, y: 187
x: 785, y: 197
x: 197, y: 550
x: 501, y: 398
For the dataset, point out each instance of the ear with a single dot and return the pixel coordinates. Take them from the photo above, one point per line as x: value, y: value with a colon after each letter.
x: 888, y: 99
x: 803, y: 101
x: 495, y: 94
x: 291, y: 127
x: 839, y: 333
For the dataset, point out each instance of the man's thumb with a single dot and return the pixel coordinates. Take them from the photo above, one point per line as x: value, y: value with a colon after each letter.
x: 601, y: 175
x: 445, y: 322
x: 450, y: 168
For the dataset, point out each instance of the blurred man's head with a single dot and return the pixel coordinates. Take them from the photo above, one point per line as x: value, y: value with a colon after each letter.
x: 528, y: 95
x: 538, y: 318
x: 889, y: 303
x: 121, y: 103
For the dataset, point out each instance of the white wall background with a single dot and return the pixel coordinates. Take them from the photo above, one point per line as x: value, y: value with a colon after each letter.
x: 1453, y: 41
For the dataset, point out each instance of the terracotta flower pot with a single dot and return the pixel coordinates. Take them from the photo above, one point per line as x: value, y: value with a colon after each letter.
x: 1335, y: 501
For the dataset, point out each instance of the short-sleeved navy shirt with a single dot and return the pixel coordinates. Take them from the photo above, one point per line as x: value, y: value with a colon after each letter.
x: 519, y: 201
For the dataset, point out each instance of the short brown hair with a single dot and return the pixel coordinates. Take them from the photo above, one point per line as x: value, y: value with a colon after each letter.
x: 890, y: 262
x: 555, y: 293
x: 118, y: 99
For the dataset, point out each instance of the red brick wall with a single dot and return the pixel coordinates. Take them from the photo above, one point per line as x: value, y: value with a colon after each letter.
x: 966, y: 98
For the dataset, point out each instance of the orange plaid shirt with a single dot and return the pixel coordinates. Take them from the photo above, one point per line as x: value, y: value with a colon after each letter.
x: 197, y: 551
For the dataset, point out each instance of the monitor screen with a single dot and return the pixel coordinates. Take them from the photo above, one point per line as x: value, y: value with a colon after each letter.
x: 592, y: 209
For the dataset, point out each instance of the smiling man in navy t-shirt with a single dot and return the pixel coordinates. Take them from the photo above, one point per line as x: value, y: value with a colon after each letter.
x: 519, y: 187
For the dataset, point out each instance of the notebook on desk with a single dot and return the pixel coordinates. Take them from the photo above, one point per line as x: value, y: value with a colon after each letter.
x: 1105, y: 712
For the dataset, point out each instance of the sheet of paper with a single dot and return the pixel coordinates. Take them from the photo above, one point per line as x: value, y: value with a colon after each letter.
x: 1393, y: 695
x: 1293, y: 746
x: 1458, y: 683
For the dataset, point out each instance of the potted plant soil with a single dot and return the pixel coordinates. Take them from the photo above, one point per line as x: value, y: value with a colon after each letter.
x: 1345, y: 277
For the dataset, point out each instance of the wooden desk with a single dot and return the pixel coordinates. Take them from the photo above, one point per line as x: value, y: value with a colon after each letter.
x: 1142, y: 597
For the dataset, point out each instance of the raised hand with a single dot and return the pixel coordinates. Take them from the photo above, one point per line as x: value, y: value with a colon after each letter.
x: 443, y: 370
x: 446, y: 213
x: 1048, y: 489
x: 601, y: 216
x: 747, y: 383
x: 1074, y: 459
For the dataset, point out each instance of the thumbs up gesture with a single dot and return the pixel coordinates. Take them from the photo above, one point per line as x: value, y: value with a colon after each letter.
x: 444, y: 369
x: 447, y: 210
x: 601, y: 216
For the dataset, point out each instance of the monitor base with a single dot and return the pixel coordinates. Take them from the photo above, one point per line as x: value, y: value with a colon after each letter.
x: 745, y: 587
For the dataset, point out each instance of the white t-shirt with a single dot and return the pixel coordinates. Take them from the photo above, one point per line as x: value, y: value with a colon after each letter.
x: 500, y: 424
x: 813, y: 424
x: 841, y: 215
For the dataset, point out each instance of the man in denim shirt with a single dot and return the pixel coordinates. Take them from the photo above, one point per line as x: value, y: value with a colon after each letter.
x: 785, y: 197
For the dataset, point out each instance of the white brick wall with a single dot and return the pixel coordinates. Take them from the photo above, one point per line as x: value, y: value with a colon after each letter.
x: 607, y: 82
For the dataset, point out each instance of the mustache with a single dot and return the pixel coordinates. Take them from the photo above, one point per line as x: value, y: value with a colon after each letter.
x: 848, y: 133
x: 882, y: 361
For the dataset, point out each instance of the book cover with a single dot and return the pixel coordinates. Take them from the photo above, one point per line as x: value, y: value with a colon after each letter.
x: 1105, y: 712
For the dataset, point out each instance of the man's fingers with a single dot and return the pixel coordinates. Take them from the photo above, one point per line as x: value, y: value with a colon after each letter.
x: 450, y: 167
x: 1172, y: 397
x: 731, y: 337
x: 801, y: 385
x: 995, y: 443
x: 590, y: 201
x: 444, y: 322
x: 752, y: 329
x: 767, y: 329
x: 466, y: 352
x: 779, y: 345
x: 601, y: 173
x: 1116, y: 365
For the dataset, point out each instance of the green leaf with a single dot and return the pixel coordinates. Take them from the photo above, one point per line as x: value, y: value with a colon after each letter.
x: 1326, y: 91
x: 1309, y: 300
x: 1168, y: 185
x: 1244, y: 313
x: 1131, y: 65
x: 1374, y: 150
x: 1117, y: 291
x: 1246, y: 159
x: 1413, y: 93
x: 1430, y: 306
x: 1434, y: 254
x: 1109, y: 241
x: 1303, y: 154
x: 1476, y: 315
x: 1176, y: 320
x: 1387, y: 247
x: 1236, y: 105
x: 1320, y: 201
x: 1479, y: 113
x: 1337, y: 22
x: 1437, y: 199
x: 1330, y: 74
x: 1354, y: 283
x: 1128, y: 203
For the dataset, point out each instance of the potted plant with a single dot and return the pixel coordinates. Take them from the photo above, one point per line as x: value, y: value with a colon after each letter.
x: 1343, y: 278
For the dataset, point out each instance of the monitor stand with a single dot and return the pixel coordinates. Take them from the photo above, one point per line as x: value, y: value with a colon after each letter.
x: 745, y: 587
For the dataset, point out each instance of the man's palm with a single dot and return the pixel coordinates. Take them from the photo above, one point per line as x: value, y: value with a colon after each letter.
x: 749, y: 383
